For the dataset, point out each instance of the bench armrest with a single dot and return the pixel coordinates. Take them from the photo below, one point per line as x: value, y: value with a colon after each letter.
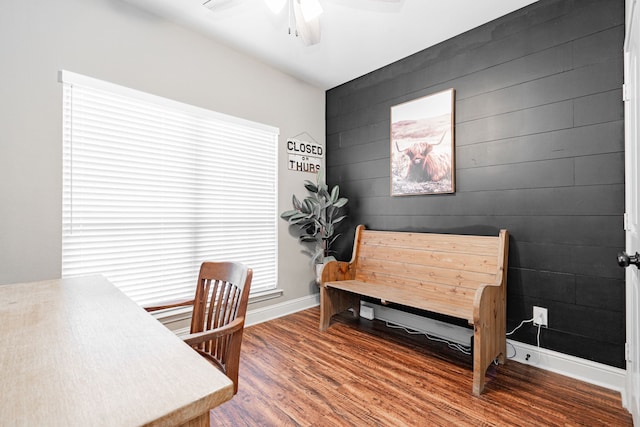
x: 489, y: 295
x: 334, y: 271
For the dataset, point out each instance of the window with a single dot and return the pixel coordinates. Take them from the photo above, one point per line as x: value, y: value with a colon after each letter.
x: 153, y: 187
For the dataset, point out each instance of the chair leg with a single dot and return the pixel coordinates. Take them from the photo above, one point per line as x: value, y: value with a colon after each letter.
x: 232, y: 366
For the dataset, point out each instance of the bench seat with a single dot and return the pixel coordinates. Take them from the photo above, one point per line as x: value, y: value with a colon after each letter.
x: 455, y: 302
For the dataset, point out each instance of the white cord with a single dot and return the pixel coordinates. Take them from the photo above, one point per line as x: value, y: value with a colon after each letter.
x: 467, y: 349
x: 452, y: 345
x: 537, y: 337
x: 520, y: 325
x: 514, y: 351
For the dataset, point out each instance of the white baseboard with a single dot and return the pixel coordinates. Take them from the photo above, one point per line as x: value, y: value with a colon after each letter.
x: 271, y: 312
x: 574, y: 367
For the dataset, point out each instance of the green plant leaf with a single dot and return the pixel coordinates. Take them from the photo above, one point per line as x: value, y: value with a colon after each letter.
x: 310, y: 186
x: 309, y: 205
x: 323, y: 193
x: 335, y: 194
x: 337, y: 220
x: 340, y: 202
x: 295, y: 202
x: 288, y: 214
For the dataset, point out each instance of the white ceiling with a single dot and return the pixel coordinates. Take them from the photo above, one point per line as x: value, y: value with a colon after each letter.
x: 358, y: 36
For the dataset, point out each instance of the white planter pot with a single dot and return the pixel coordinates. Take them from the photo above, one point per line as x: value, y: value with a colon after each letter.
x: 319, y: 268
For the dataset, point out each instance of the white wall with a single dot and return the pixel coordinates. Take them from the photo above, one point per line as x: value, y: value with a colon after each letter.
x: 113, y: 41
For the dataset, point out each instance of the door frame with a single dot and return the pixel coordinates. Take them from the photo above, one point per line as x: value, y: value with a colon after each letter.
x: 631, y: 95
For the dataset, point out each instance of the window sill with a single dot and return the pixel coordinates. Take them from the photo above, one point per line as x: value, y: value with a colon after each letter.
x: 181, y: 314
x: 265, y: 295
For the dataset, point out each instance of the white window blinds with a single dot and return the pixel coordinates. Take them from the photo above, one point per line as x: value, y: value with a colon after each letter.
x: 153, y: 187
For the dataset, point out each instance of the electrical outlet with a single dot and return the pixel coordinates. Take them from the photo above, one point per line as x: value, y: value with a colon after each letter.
x: 540, y: 316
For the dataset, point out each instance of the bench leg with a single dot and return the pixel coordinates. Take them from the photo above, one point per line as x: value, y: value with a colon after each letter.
x: 479, y: 367
x: 484, y: 354
x: 334, y: 301
x: 489, y: 337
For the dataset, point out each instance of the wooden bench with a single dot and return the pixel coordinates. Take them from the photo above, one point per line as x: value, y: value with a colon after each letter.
x: 455, y: 275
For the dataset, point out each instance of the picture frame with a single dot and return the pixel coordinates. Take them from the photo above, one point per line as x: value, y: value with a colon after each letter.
x: 422, y: 145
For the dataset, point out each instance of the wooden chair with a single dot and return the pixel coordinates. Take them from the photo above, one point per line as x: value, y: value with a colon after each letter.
x: 219, y: 310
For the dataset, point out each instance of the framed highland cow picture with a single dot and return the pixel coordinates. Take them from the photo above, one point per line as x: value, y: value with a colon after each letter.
x: 422, y: 145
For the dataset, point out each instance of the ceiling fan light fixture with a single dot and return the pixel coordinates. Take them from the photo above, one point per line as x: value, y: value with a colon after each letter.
x: 275, y: 6
x: 311, y: 9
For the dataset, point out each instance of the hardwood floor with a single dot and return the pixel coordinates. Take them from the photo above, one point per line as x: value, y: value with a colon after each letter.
x: 361, y: 373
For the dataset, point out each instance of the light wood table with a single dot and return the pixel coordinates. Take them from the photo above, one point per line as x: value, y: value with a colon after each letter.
x: 78, y: 352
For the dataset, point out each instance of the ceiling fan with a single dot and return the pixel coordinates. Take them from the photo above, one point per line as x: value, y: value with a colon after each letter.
x: 304, y: 16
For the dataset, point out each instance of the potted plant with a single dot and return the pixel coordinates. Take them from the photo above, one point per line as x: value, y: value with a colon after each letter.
x: 316, y: 218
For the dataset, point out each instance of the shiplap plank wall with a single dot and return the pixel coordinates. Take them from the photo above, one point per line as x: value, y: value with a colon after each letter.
x: 539, y: 151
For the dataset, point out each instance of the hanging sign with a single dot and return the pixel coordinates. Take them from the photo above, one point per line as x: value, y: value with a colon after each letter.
x: 304, y: 156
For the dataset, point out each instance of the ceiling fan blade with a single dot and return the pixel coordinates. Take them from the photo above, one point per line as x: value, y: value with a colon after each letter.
x: 311, y: 9
x: 275, y: 5
x: 219, y: 4
x: 308, y: 31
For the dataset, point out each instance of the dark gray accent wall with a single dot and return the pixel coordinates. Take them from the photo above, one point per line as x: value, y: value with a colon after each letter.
x: 539, y: 134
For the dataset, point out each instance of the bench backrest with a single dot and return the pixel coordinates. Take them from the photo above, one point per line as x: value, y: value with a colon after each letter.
x: 447, y: 261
